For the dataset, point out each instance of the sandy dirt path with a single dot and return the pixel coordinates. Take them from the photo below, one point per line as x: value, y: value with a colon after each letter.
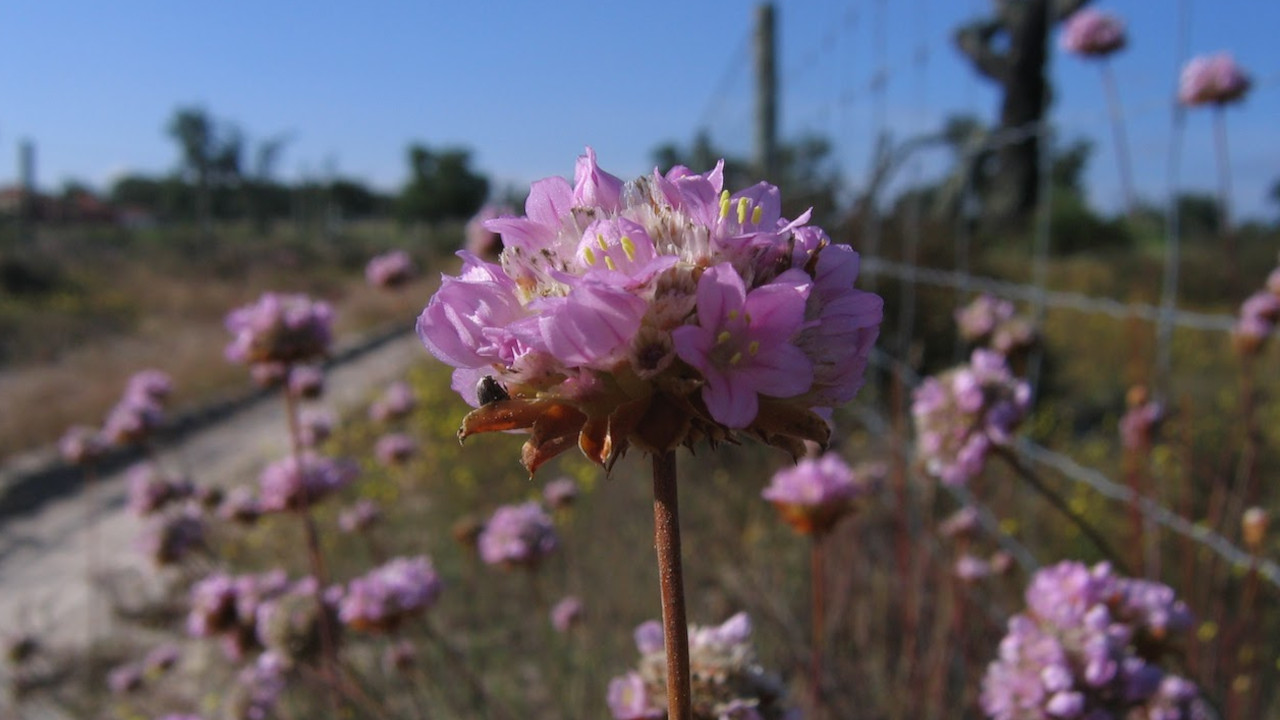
x: 44, y: 555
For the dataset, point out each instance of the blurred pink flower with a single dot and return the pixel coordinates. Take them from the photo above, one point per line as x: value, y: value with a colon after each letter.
x: 390, y: 269
x: 566, y: 613
x: 306, y: 381
x: 394, y: 449
x: 560, y: 493
x: 1212, y: 80
x: 397, y: 401
x: 280, y: 328
x: 1093, y: 33
x: 815, y: 494
x: 81, y: 445
x: 517, y: 535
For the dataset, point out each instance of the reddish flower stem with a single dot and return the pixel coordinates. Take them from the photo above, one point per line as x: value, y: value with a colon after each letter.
x: 675, y: 626
x: 817, y: 580
x: 328, y: 650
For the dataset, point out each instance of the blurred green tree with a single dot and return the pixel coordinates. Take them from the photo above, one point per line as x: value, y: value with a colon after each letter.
x: 441, y: 186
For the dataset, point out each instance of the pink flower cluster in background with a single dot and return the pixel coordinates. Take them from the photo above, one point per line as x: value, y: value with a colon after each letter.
x: 731, y: 682
x: 151, y: 490
x: 1093, y: 33
x: 382, y: 598
x: 390, y: 269
x: 517, y: 535
x: 963, y: 413
x: 295, y: 483
x: 990, y: 321
x: 396, y: 402
x: 280, y: 328
x: 1090, y: 644
x: 1212, y: 80
x: 1259, y: 316
x: 1138, y: 424
x: 814, y: 494
x: 481, y: 241
x: 560, y: 493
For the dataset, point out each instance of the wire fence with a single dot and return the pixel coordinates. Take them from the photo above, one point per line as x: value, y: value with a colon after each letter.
x: 866, y: 87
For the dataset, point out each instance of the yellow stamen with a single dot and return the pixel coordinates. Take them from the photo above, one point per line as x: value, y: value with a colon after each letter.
x: 600, y: 241
x: 733, y: 314
x: 743, y: 204
x: 589, y: 256
x: 756, y: 214
x: 724, y: 204
x: 723, y: 337
x: 737, y: 358
x: 753, y: 348
x: 608, y: 262
x: 628, y: 247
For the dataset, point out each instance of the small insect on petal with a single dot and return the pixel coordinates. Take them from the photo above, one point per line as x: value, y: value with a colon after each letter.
x: 489, y: 391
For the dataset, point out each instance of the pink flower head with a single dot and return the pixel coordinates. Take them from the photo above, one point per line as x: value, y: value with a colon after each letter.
x: 306, y: 381
x: 1093, y: 33
x: 161, y: 658
x: 280, y: 328
x: 81, y: 445
x: 213, y: 605
x: 268, y: 374
x: 382, y: 598
x: 1212, y: 80
x: 150, y: 490
x: 241, y: 506
x: 125, y: 678
x: 390, y: 269
x: 154, y: 385
x: 168, y: 539
x: 961, y: 523
x: 566, y: 613
x: 1089, y: 645
x: 971, y: 568
x: 731, y: 682
x: 359, y: 517
x: 1259, y: 316
x: 979, y: 319
x: 962, y: 414
x: 298, y: 482
x: 815, y: 494
x: 394, y: 449
x: 396, y: 402
x: 314, y: 426
x: 1139, y: 423
x: 481, y: 241
x: 517, y: 535
x: 649, y: 637
x: 560, y: 493
x: 132, y: 420
x: 655, y: 312
x: 630, y: 699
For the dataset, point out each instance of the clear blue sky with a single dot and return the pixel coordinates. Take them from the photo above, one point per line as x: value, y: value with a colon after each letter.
x: 527, y: 85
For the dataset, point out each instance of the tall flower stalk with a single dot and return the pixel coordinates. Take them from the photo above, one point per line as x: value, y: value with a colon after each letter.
x: 1217, y: 81
x: 1090, y: 33
x: 654, y: 314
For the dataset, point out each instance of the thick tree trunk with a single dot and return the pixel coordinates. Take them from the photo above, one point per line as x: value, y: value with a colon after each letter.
x: 1011, y: 49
